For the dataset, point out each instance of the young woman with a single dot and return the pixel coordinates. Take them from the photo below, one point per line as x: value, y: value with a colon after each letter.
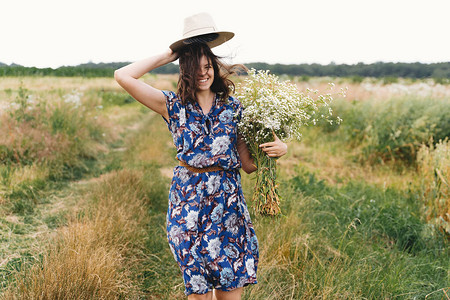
x: 208, y: 225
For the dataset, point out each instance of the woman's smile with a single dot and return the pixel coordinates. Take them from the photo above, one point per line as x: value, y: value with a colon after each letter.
x: 206, y: 74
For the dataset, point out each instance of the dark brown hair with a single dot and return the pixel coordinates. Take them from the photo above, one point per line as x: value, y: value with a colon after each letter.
x: 190, y: 57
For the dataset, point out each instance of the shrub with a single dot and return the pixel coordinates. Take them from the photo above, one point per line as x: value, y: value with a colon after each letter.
x: 390, y: 80
x: 59, y: 135
x: 356, y: 79
x: 394, y: 129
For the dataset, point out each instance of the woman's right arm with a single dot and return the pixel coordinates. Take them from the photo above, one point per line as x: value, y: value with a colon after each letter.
x: 128, y: 78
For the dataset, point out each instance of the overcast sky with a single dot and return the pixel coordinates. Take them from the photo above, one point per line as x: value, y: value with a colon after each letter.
x: 51, y: 33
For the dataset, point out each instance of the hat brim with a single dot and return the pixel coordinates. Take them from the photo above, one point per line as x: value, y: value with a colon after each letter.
x: 222, y: 38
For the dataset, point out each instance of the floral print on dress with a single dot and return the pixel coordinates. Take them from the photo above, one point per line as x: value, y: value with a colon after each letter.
x: 205, y: 140
x: 208, y: 225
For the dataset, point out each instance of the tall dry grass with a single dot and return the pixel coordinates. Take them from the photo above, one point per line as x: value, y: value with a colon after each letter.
x: 434, y: 166
x: 93, y: 256
x: 298, y: 264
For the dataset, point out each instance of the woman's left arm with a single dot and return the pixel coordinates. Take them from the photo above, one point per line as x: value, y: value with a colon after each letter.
x: 248, y: 165
x: 273, y: 149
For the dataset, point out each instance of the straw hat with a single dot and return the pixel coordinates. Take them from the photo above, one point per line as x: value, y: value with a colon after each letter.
x: 201, y: 28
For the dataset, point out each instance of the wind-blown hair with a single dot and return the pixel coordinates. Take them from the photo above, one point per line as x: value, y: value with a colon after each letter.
x: 189, y: 60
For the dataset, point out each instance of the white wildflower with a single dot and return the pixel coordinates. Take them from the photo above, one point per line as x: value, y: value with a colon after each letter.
x: 73, y: 98
x: 274, y: 105
x: 30, y: 99
x: 14, y: 105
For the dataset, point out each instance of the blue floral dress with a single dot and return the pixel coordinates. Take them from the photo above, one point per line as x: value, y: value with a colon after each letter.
x: 208, y: 225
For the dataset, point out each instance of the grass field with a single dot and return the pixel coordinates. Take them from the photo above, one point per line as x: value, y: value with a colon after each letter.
x: 85, y: 173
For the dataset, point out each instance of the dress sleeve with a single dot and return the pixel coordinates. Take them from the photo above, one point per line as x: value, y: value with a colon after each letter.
x: 172, y: 109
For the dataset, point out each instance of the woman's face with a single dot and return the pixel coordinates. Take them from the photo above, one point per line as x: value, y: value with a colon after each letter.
x: 206, y: 75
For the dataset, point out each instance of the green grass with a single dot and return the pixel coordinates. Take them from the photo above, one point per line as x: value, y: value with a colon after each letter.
x: 352, y: 242
x: 355, y: 241
x: 352, y: 239
x: 24, y: 235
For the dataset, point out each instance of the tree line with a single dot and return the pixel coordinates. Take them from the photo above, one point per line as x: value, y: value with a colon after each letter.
x: 379, y: 70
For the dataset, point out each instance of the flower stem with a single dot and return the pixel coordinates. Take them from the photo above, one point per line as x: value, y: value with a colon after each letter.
x: 265, y: 198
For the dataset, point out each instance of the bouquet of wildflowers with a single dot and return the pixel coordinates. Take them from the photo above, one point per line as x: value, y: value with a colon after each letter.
x: 273, y: 107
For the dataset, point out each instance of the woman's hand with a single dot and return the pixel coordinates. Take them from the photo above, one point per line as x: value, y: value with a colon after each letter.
x: 172, y: 56
x: 274, y: 149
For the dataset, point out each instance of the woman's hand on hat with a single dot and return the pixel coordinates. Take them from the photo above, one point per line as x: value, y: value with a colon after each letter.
x: 172, y: 56
x: 274, y: 149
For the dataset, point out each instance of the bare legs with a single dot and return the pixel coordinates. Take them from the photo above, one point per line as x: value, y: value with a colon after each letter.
x: 218, y: 295
x: 207, y: 296
x: 231, y: 295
